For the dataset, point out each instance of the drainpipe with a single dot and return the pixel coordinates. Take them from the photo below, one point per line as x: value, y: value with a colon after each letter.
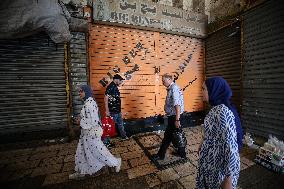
x: 70, y: 129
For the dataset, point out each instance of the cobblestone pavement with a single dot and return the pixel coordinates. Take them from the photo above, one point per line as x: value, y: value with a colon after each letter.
x: 48, y: 166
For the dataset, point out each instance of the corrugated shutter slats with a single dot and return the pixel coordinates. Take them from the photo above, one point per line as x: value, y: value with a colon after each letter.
x: 223, y: 58
x: 32, y: 85
x: 263, y: 75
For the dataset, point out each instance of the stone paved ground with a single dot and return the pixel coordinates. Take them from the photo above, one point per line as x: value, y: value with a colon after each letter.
x: 48, y: 166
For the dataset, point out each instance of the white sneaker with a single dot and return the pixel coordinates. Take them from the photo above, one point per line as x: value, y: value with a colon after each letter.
x: 76, y: 176
x: 117, y: 168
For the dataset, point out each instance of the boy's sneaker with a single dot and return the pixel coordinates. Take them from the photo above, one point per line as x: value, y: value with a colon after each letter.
x: 117, y: 168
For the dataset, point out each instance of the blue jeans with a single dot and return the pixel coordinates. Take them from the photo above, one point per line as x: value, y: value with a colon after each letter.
x: 119, y: 124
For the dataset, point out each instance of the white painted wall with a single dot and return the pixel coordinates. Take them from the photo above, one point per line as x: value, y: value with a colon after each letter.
x: 166, y: 2
x: 188, y: 4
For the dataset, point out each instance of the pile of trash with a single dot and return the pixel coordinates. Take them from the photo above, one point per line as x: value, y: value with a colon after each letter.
x: 270, y: 155
x: 250, y: 142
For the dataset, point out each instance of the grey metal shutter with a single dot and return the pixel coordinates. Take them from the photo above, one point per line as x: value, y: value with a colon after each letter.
x: 223, y: 58
x: 263, y: 77
x: 78, y: 67
x: 32, y: 85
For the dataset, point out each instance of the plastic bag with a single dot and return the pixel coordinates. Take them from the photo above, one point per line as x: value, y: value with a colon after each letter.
x: 108, y: 126
x: 179, y: 139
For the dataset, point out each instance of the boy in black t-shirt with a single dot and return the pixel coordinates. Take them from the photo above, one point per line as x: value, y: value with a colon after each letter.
x: 113, y: 104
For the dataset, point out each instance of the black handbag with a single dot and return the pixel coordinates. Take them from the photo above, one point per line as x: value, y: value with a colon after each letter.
x: 179, y: 139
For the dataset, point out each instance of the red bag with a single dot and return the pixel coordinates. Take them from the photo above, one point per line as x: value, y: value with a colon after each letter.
x: 108, y: 126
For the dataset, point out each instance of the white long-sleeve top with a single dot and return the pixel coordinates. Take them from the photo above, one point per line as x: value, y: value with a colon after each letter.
x: 90, y: 121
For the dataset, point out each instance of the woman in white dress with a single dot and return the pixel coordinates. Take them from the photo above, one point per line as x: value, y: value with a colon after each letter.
x: 91, y: 154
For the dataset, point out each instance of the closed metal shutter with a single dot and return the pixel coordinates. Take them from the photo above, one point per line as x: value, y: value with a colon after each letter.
x: 263, y: 77
x: 223, y: 58
x: 78, y: 68
x: 142, y: 57
x: 183, y: 57
x: 32, y: 85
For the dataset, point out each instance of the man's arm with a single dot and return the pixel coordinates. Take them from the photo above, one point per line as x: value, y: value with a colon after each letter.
x: 106, y: 105
x: 177, y: 122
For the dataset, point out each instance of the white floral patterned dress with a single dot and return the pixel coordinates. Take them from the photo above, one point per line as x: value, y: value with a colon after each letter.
x: 219, y: 156
x: 92, y: 154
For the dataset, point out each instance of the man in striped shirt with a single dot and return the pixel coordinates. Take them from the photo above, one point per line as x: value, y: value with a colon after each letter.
x: 174, y: 107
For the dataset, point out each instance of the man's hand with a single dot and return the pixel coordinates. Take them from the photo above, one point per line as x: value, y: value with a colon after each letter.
x: 107, y: 114
x: 177, y: 124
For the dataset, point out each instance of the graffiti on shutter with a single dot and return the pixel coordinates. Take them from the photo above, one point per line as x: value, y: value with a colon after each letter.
x: 142, y: 57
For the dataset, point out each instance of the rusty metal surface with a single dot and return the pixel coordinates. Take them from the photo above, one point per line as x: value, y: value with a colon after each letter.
x: 142, y: 57
x: 263, y: 76
x: 223, y: 58
x: 32, y: 85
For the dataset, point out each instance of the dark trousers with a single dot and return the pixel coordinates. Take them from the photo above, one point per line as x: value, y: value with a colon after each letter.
x: 168, y: 138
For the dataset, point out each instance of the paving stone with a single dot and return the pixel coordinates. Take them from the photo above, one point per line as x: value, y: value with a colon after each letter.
x: 139, y: 161
x: 43, y: 155
x: 169, y: 185
x: 68, y: 166
x: 168, y: 175
x: 193, y: 148
x: 117, y: 142
x: 195, y: 163
x: 69, y: 158
x: 47, y: 170
x: 119, y: 150
x: 125, y: 143
x: 51, y: 161
x: 193, y: 138
x: 16, y: 153
x: 151, y: 140
x: 248, y: 152
x: 193, y: 156
x: 124, y: 165
x: 103, y: 171
x: 56, y: 178
x: 53, y: 175
x: 154, y: 150
x: 243, y: 166
x: 67, y: 152
x: 185, y: 169
x: 247, y: 161
x: 136, y: 148
x: 152, y: 180
x: 188, y: 181
x: 141, y: 171
x: 23, y: 164
x: 49, y: 148
x: 20, y: 174
x: 131, y: 155
x: 14, y: 159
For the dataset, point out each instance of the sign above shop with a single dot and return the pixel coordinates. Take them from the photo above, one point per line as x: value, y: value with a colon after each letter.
x: 151, y: 15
